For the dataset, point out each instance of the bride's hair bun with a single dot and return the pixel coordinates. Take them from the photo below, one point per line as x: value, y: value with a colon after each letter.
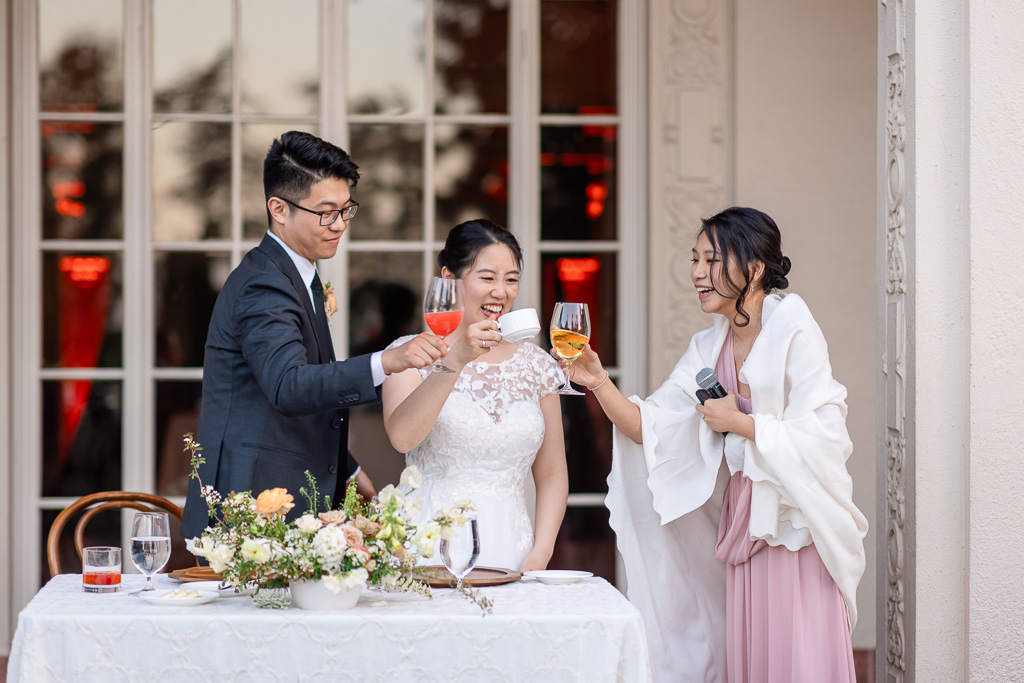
x: 466, y: 240
x: 786, y: 265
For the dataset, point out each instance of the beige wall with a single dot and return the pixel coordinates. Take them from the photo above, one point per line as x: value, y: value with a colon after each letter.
x: 805, y: 117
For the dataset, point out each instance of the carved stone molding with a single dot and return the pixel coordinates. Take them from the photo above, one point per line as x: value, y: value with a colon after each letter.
x: 690, y: 135
x: 894, y: 666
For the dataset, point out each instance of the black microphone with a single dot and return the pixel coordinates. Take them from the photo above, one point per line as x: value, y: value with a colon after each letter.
x: 709, y: 386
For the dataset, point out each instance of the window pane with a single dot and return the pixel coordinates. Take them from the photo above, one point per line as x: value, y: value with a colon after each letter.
x: 256, y: 140
x: 578, y: 56
x: 590, y: 278
x: 82, y: 164
x: 471, y: 54
x: 177, y: 413
x: 81, y: 437
x: 80, y: 63
x: 385, y: 56
x: 578, y: 189
x: 390, y: 189
x: 386, y: 298
x: 385, y: 303
x: 82, y: 310
x: 191, y: 181
x: 192, y: 58
x: 280, y: 59
x: 588, y: 443
x: 586, y: 542
x: 187, y: 284
x: 470, y: 175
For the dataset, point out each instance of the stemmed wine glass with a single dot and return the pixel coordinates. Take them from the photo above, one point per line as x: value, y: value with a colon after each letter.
x: 460, y: 553
x: 151, y: 544
x: 443, y: 306
x: 570, y: 332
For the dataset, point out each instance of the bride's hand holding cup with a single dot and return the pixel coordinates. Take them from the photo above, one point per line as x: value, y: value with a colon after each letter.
x: 479, y: 339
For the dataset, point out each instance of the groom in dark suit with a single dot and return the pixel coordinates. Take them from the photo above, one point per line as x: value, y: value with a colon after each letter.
x: 275, y: 402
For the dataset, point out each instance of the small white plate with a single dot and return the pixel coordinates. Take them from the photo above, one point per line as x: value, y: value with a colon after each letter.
x: 214, y: 586
x: 558, y: 576
x: 158, y: 599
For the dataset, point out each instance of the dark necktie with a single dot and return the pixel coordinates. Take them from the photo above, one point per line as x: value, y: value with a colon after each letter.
x: 323, y: 332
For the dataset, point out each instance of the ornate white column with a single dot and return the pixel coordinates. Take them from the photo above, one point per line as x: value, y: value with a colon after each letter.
x: 690, y: 145
x: 894, y: 608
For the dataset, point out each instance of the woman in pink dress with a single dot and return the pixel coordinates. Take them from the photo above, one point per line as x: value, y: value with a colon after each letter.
x: 763, y: 470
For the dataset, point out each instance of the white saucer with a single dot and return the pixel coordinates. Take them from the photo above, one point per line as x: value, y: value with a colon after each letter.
x: 158, y: 599
x: 558, y: 576
x: 228, y: 592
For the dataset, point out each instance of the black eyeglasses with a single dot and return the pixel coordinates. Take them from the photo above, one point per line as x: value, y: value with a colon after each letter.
x: 348, y: 212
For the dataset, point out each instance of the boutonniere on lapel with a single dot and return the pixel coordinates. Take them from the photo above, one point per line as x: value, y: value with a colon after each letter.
x: 330, y: 302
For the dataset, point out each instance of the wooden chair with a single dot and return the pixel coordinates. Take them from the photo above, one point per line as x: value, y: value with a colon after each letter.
x: 92, y: 505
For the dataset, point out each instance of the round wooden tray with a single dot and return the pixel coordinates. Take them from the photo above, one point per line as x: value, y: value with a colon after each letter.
x: 439, y: 577
x: 195, y: 574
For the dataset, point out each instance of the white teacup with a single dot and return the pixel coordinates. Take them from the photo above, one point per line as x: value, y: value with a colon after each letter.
x: 519, y: 326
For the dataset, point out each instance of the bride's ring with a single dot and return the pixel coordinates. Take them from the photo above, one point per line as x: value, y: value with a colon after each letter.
x: 483, y: 343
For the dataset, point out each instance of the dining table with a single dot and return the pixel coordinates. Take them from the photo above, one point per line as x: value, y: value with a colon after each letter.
x: 584, y: 631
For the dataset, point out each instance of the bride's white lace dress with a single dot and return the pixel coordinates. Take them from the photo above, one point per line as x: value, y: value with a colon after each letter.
x: 483, y: 446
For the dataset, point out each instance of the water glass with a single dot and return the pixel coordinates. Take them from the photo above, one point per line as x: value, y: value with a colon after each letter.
x: 101, y: 569
x: 461, y: 552
x: 151, y: 544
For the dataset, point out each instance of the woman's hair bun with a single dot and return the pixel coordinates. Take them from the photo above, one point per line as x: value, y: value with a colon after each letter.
x: 786, y: 265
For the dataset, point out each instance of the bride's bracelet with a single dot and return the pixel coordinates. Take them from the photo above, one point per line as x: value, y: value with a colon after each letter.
x: 601, y: 383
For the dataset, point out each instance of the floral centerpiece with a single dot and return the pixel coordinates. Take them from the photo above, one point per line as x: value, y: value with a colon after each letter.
x: 374, y: 543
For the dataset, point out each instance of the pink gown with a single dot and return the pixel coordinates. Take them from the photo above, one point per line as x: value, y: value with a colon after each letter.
x: 786, y: 620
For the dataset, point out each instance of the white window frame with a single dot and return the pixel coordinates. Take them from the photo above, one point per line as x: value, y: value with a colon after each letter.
x: 138, y: 374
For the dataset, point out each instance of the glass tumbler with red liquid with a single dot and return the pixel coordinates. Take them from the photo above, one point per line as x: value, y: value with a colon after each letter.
x: 443, y: 307
x: 101, y: 569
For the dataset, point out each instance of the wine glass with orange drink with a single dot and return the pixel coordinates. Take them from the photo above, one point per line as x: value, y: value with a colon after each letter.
x: 570, y: 332
x: 443, y: 306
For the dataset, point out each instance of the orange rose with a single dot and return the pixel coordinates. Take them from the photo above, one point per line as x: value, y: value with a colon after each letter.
x: 274, y: 501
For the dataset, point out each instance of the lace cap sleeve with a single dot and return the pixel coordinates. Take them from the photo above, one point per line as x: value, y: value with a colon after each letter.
x: 544, y: 368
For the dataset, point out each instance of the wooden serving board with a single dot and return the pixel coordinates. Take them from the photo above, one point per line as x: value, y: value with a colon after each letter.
x: 439, y: 577
x: 195, y: 574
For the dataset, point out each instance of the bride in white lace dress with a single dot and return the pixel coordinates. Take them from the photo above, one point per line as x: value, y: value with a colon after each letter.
x: 479, y: 433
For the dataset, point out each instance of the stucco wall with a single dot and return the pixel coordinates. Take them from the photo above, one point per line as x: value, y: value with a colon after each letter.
x: 996, y: 229
x: 805, y: 154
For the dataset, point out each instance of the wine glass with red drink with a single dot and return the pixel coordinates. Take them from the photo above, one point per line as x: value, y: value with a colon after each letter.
x: 443, y: 307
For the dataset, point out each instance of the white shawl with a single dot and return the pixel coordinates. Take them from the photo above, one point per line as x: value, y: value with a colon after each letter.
x: 665, y: 495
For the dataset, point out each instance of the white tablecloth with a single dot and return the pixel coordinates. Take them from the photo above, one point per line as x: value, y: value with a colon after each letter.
x: 581, y: 632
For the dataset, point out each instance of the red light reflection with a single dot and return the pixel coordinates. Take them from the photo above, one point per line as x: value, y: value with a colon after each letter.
x: 84, y: 271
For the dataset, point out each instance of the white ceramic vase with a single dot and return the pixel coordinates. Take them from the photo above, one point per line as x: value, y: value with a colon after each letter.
x: 315, y: 595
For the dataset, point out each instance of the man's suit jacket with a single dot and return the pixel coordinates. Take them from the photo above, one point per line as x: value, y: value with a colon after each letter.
x: 274, y: 405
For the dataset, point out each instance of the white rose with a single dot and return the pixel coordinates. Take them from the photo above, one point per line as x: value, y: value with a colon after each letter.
x: 256, y: 551
x: 308, y: 523
x: 411, y: 477
x: 220, y: 557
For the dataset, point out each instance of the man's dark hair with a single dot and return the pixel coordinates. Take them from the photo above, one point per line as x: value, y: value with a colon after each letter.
x: 298, y: 160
